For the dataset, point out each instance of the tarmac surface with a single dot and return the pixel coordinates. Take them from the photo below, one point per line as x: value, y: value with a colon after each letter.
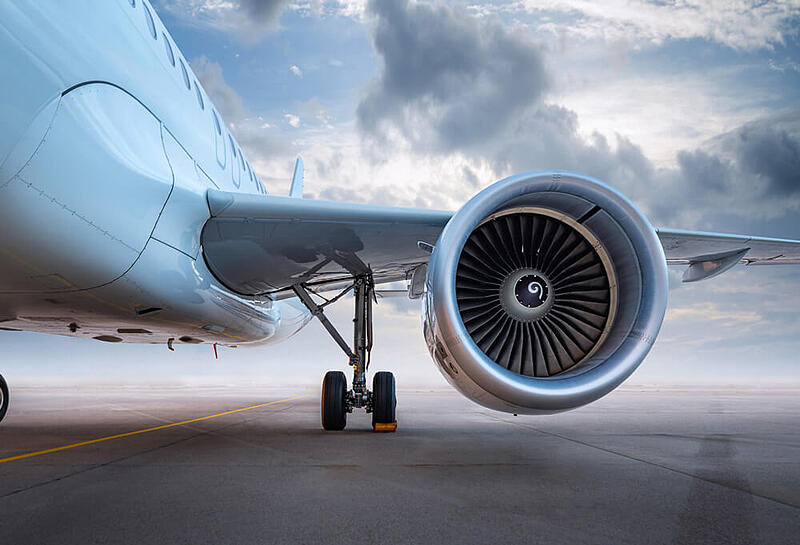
x: 639, y: 466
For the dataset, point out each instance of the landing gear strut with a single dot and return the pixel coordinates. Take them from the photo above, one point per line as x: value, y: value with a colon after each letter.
x: 337, y: 401
x: 4, y: 398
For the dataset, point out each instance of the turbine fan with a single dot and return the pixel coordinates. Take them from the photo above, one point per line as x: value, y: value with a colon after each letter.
x: 534, y: 292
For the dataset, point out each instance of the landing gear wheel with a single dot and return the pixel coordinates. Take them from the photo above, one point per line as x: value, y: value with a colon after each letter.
x: 384, y: 402
x: 334, y: 408
x: 4, y: 398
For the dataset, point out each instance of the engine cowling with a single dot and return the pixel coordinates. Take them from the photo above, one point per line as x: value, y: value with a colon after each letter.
x: 544, y: 292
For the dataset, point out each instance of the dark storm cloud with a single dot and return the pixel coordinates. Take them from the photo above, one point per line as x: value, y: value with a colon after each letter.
x: 764, y: 154
x: 449, y: 80
x: 702, y: 169
x: 752, y: 172
x: 770, y: 154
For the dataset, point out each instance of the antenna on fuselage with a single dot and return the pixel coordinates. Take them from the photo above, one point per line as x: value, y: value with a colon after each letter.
x: 296, y: 189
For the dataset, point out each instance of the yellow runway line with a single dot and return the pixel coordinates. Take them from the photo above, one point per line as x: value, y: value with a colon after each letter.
x: 148, y: 430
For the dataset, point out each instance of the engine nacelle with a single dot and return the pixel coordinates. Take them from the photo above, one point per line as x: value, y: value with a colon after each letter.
x: 544, y: 292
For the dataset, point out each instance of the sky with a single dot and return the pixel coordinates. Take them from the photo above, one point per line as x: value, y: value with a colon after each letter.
x: 690, y: 108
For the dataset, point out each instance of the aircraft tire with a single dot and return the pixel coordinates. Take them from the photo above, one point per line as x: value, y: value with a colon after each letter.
x: 384, y: 402
x: 334, y: 408
x: 4, y: 398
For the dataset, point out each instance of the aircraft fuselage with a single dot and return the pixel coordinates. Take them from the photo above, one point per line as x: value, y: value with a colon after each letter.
x: 107, y: 150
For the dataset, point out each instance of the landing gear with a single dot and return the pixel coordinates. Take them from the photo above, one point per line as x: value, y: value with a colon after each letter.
x: 336, y: 400
x: 4, y: 398
x: 384, y: 402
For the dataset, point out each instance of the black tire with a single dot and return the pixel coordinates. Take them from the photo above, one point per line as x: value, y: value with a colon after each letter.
x: 334, y: 409
x: 4, y: 398
x: 384, y: 401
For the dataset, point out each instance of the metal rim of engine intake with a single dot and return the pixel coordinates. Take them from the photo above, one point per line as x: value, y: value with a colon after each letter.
x: 636, y: 255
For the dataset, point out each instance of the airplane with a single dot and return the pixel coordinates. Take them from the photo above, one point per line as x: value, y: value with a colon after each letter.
x: 130, y: 214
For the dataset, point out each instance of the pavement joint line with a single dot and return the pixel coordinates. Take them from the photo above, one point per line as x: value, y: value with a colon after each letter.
x: 97, y: 466
x: 129, y: 456
x: 643, y: 461
x: 147, y: 430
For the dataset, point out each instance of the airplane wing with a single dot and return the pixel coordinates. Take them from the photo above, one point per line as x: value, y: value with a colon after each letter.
x: 258, y: 245
x: 710, y: 254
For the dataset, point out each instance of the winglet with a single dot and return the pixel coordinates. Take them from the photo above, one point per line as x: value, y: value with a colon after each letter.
x: 297, y: 179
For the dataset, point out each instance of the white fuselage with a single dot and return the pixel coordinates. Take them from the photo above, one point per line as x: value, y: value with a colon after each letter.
x: 108, y: 146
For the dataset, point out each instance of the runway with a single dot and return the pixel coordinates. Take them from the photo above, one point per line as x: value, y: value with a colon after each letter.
x: 639, y: 466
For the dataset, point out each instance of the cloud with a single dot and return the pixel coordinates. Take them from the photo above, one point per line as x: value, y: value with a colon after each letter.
x: 752, y: 172
x: 292, y: 120
x: 455, y: 85
x: 314, y: 109
x: 254, y: 134
x: 323, y: 8
x: 783, y: 66
x: 771, y: 155
x: 743, y: 24
x: 661, y: 109
x: 225, y: 98
x: 448, y: 79
x: 452, y: 83
x: 249, y: 20
x: 294, y: 69
x: 246, y: 20
x: 461, y: 100
x: 707, y: 311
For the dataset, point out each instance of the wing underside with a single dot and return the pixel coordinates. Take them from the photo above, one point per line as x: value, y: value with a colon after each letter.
x: 259, y: 245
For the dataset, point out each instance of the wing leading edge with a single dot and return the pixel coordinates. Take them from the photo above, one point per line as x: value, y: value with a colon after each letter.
x: 258, y: 245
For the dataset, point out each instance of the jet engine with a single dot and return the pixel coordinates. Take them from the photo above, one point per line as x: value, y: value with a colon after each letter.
x: 544, y: 292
